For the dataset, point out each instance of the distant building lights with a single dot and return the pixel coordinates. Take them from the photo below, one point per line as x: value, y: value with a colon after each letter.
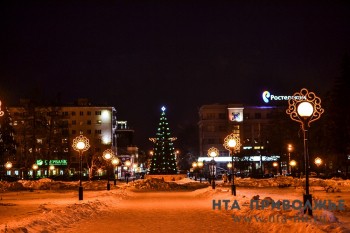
x: 106, y: 116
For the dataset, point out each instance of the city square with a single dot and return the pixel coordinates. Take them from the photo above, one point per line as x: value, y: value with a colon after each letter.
x: 168, y: 116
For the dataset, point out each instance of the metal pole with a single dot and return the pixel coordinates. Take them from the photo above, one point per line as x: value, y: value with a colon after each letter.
x: 233, y: 187
x: 115, y: 180
x: 108, y: 184
x: 289, y: 167
x: 307, y: 196
x: 213, y: 173
x: 80, y: 183
x: 213, y: 181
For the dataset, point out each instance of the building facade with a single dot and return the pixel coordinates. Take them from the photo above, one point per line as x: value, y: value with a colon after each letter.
x: 251, y: 123
x: 45, y: 135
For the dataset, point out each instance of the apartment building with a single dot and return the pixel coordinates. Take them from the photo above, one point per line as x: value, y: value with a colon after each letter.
x: 45, y: 135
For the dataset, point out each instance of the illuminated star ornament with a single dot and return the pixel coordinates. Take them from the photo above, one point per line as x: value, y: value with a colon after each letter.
x: 2, y: 112
x: 163, y: 108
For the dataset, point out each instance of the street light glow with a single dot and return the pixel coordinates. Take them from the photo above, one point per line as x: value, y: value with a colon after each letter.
x: 80, y: 145
x: 232, y: 143
x: 115, y: 161
x: 293, y: 163
x: 305, y: 109
x: 128, y: 163
x: 8, y: 165
x: 318, y: 161
x: 35, y: 166
x: 108, y: 154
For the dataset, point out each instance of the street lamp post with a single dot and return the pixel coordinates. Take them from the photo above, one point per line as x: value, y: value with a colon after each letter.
x: 200, y: 166
x: 212, y: 152
x: 292, y: 164
x: 229, y: 166
x: 81, y: 144
x: 305, y: 107
x: 35, y: 168
x: 127, y: 164
x: 318, y: 161
x: 275, y: 165
x: 194, y: 166
x: 51, y: 168
x: 233, y: 144
x: 290, y: 148
x: 8, y: 165
x: 115, y: 162
x: 108, y: 155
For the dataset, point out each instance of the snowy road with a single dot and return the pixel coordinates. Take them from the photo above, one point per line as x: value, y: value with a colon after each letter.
x: 162, y: 212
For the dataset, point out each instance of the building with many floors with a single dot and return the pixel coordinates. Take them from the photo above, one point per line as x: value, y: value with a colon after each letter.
x: 251, y: 123
x: 45, y: 133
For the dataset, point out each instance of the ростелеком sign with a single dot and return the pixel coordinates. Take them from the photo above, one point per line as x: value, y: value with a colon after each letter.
x: 267, y: 97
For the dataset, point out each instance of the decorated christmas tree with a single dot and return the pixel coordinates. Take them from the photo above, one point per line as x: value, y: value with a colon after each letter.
x: 163, y: 160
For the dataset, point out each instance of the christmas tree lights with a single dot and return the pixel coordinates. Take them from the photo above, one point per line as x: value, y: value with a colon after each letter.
x: 163, y: 160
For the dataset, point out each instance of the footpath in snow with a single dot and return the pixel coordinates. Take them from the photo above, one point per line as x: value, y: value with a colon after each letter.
x: 158, y: 206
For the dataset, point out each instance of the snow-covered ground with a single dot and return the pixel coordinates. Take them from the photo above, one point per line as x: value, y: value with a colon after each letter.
x: 157, y: 206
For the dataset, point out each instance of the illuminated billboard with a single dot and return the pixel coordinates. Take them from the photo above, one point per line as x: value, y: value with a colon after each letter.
x: 267, y: 97
x: 235, y: 114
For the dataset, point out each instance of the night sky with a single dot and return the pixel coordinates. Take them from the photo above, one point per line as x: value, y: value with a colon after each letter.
x: 138, y: 56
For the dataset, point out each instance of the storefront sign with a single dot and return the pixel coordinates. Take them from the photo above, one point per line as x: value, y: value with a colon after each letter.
x: 62, y: 162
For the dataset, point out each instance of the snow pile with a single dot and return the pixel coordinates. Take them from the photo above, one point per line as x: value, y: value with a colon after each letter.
x: 10, y: 186
x: 184, y: 181
x: 161, y: 185
x: 48, y: 184
x: 53, y: 215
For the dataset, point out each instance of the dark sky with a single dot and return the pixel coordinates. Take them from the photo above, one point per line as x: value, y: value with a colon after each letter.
x: 138, y: 56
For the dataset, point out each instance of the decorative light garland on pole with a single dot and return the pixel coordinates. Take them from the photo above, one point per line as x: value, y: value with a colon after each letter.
x: 81, y: 144
x: 305, y: 110
x: 232, y: 143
